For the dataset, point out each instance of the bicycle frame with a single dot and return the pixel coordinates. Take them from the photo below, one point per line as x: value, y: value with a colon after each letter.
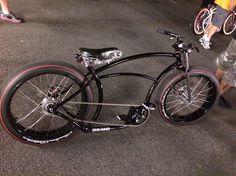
x: 46, y: 102
x: 97, y: 79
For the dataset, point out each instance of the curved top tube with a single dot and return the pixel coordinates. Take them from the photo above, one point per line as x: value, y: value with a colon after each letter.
x: 137, y: 56
x: 177, y: 56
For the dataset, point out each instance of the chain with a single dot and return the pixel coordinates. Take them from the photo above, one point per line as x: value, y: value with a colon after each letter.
x: 104, y: 104
x: 98, y: 123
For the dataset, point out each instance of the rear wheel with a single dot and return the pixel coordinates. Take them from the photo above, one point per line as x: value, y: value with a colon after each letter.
x: 28, y: 98
x: 229, y: 25
x: 174, y: 103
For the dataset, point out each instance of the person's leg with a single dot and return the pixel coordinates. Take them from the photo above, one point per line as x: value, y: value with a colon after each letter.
x: 226, y: 71
x: 205, y: 37
x: 5, y: 6
x: 222, y: 101
x: 219, y: 73
x: 228, y: 80
x: 205, y: 40
x: 217, y: 21
x: 211, y: 31
x: 223, y: 87
x: 6, y: 15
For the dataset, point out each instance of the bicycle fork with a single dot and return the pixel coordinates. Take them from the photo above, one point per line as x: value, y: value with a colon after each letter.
x: 187, y: 77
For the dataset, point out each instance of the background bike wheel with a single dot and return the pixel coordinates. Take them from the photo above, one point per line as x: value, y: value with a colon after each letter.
x: 229, y: 24
x: 28, y: 94
x: 173, y: 102
x: 198, y: 26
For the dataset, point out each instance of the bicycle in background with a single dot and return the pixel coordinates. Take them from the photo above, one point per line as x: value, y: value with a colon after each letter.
x: 204, y: 18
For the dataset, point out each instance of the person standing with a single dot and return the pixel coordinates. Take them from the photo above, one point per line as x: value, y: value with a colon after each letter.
x: 226, y: 69
x: 7, y: 15
x: 223, y: 8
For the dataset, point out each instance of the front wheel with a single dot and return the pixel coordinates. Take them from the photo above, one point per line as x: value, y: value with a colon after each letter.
x: 230, y: 24
x: 177, y: 107
x: 28, y: 96
x: 201, y: 21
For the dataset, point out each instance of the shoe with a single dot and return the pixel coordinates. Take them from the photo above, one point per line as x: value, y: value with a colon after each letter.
x: 10, y: 17
x: 223, y: 103
x: 206, y: 44
x: 201, y: 40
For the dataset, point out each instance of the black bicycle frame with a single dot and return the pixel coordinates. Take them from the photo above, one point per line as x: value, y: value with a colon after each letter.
x: 95, y: 77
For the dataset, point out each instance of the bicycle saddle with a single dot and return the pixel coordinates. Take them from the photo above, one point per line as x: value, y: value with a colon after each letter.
x: 89, y: 56
x: 96, y: 52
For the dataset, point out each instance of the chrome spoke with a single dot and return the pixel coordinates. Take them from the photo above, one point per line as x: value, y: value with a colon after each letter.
x: 174, y: 101
x: 53, y: 82
x: 178, y: 102
x: 201, y: 101
x: 31, y: 126
x: 68, y: 92
x: 177, y: 110
x: 36, y: 88
x: 195, y: 105
x: 23, y: 118
x: 196, y: 86
x: 28, y: 98
x: 173, y: 106
x: 201, y: 90
x: 182, y: 96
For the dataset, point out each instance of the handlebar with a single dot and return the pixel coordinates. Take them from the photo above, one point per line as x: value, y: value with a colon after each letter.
x: 171, y: 34
x: 179, y: 45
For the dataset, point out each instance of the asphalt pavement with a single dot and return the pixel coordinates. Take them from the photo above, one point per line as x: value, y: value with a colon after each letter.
x: 54, y: 30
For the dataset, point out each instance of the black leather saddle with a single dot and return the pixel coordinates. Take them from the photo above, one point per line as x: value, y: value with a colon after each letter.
x: 96, y: 53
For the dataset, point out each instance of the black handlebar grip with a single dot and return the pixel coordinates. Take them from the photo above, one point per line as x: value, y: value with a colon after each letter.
x: 171, y: 34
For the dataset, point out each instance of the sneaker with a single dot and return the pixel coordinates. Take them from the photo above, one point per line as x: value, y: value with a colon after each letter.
x: 10, y: 17
x: 206, y: 44
x: 223, y: 103
x: 201, y: 40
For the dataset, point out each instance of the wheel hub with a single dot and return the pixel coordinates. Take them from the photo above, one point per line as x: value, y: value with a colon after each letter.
x: 48, y: 105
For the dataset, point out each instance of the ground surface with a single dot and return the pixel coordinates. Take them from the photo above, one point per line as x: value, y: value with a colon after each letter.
x: 55, y: 30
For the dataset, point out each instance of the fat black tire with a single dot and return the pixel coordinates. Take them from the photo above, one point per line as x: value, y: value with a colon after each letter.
x: 172, y: 98
x: 27, y: 88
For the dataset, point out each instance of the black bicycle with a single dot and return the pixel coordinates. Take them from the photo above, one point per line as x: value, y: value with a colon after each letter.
x: 47, y: 102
